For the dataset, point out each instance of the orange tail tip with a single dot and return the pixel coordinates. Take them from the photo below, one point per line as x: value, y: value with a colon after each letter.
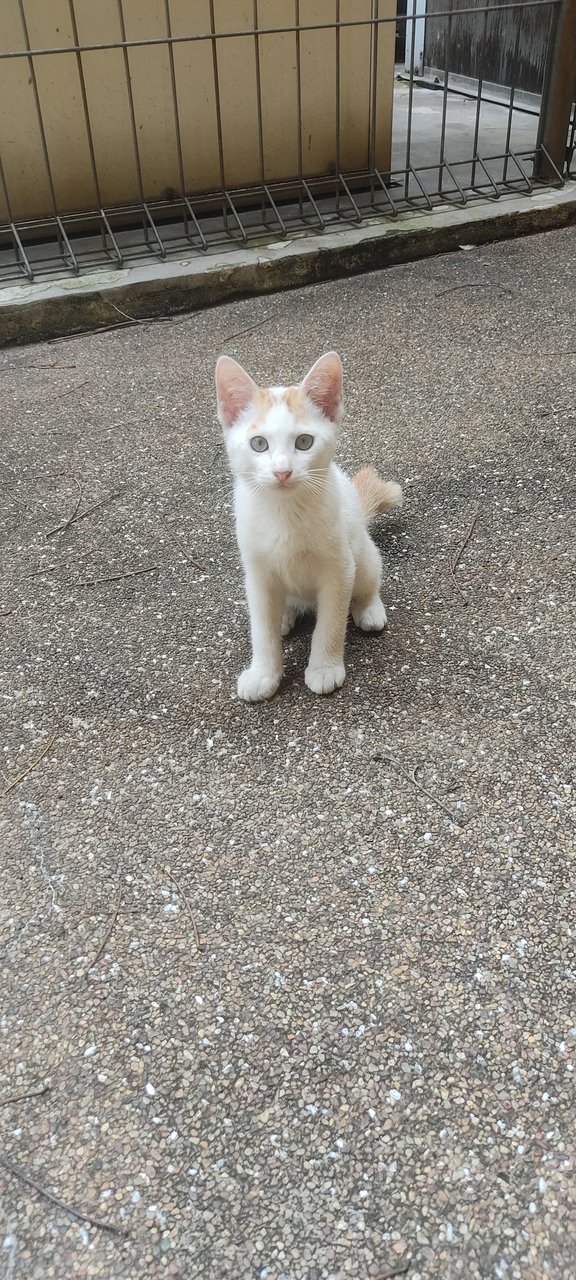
x: 376, y: 495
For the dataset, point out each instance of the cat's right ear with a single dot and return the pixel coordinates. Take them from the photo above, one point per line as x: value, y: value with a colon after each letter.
x: 235, y: 390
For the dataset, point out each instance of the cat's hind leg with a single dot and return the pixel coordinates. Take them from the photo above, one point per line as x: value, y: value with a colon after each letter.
x: 367, y: 609
x: 290, y: 615
x: 294, y: 608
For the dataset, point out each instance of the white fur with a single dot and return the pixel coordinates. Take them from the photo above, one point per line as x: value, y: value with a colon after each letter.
x: 304, y: 545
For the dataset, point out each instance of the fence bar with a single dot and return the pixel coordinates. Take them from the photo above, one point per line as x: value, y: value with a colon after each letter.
x: 107, y: 231
x: 130, y: 96
x: 512, y: 95
x: 259, y: 107
x: 557, y: 95
x: 357, y: 216
x: 447, y: 51
x: 337, y: 112
x: 21, y: 257
x: 34, y: 83
x: 175, y: 107
x: 410, y: 107
x: 491, y: 183
x: 414, y: 173
x: 397, y: 19
x: 444, y: 194
x: 272, y: 203
x: 571, y: 143
x: 85, y: 105
x: 392, y: 210
x: 308, y: 193
x: 373, y: 89
x: 520, y: 167
x: 479, y: 99
x: 299, y: 98
x: 199, y: 232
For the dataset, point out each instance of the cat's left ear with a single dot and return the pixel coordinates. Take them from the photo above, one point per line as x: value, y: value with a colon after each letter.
x: 323, y: 385
x: 235, y: 390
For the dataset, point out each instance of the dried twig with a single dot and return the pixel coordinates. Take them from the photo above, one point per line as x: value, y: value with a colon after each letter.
x: 182, y: 895
x: 458, y: 553
x: 96, y: 507
x: 64, y: 564
x: 61, y: 1204
x: 61, y: 528
x: 132, y: 319
x: 180, y: 544
x: 240, y: 332
x: 24, y: 774
x: 54, y: 364
x: 23, y: 1097
x: 84, y: 333
x: 397, y: 1269
x: 120, y: 324
x: 111, y: 426
x: 75, y: 517
x: 61, y: 394
x: 107, y: 935
x: 411, y: 777
x: 482, y: 284
x: 115, y: 577
x: 48, y: 475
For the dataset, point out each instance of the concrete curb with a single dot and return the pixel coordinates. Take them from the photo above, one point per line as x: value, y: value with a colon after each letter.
x: 50, y: 309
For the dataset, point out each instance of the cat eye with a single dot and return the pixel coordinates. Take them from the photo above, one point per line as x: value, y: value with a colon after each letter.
x: 259, y: 444
x: 304, y: 442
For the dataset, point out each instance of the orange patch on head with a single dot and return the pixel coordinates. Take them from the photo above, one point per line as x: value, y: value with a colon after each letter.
x: 296, y: 402
x: 265, y: 400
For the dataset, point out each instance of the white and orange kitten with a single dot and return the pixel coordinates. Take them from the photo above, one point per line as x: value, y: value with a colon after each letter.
x: 301, y: 523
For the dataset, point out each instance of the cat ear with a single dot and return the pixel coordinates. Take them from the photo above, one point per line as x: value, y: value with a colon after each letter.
x: 235, y: 390
x: 323, y: 385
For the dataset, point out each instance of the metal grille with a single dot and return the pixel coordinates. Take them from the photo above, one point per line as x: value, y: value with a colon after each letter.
x: 450, y: 145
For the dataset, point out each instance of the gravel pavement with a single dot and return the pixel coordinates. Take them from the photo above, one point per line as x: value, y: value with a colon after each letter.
x: 288, y: 991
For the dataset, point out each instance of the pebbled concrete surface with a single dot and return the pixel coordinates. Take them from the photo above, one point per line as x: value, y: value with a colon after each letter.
x: 366, y: 1069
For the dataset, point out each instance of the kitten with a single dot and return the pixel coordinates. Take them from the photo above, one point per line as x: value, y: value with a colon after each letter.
x: 301, y: 523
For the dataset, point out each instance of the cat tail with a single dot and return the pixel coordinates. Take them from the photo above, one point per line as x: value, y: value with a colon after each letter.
x: 376, y: 495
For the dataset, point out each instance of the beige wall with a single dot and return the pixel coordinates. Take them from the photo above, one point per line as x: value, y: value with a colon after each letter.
x: 59, y: 88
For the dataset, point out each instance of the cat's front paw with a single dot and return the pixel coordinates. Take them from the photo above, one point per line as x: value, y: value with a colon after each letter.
x: 255, y: 685
x: 325, y: 679
x: 371, y: 618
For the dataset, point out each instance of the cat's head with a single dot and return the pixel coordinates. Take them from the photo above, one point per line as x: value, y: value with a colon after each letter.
x: 280, y: 437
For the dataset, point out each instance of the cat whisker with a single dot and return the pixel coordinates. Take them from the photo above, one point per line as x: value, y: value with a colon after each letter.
x: 316, y: 483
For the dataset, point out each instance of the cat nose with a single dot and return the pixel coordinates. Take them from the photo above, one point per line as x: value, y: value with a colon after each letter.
x: 282, y: 476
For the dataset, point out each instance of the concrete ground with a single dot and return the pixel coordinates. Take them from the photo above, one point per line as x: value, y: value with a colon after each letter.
x: 289, y: 990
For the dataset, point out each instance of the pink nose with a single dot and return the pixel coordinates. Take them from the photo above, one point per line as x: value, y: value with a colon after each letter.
x: 282, y: 476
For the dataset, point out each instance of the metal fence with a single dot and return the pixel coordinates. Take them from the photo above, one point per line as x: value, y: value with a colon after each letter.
x: 451, y: 142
